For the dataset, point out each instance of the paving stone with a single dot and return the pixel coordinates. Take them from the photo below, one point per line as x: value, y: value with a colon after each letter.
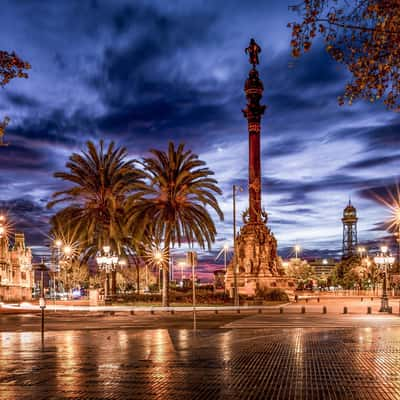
x: 295, y: 363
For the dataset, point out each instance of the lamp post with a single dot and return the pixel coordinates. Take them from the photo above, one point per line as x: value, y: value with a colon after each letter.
x: 235, y: 189
x: 42, y: 303
x: 182, y: 265
x: 297, y: 250
x: 58, y: 243
x: 158, y: 259
x: 107, y: 262
x: 383, y: 260
x: 397, y: 236
x: 224, y: 250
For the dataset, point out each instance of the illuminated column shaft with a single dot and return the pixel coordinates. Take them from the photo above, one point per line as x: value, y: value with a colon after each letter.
x: 253, y: 113
x: 254, y: 173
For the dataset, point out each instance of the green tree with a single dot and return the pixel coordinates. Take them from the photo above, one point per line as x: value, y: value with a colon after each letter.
x: 363, y: 35
x: 346, y: 272
x: 173, y: 205
x: 101, y: 182
x: 302, y: 271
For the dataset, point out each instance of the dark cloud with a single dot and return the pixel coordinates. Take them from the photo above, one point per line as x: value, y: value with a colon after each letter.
x: 28, y: 216
x: 20, y: 100
x: 143, y: 73
x: 383, y: 191
x: 373, y: 162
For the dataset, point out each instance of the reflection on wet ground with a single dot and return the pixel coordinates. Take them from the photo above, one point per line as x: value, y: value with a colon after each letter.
x: 297, y: 363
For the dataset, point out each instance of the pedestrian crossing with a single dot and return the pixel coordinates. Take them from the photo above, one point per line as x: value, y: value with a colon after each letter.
x: 289, y: 321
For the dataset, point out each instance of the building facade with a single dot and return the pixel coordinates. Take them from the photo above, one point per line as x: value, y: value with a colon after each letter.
x: 16, y: 273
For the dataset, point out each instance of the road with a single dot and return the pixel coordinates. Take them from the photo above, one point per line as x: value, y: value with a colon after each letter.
x: 230, y: 356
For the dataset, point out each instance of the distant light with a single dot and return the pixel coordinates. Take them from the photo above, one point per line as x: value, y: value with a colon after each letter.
x: 226, y: 246
x: 106, y: 249
x: 384, y: 249
x: 58, y: 243
x: 67, y: 250
x: 297, y: 247
x: 325, y: 261
x: 158, y: 255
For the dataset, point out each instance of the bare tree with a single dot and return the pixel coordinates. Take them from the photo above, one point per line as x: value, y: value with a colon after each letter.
x: 364, y: 35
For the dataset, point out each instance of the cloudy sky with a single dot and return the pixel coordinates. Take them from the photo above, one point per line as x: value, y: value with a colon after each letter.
x: 146, y: 72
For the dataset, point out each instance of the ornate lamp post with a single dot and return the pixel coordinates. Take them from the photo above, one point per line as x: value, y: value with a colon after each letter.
x: 58, y: 243
x: 235, y: 189
x: 182, y: 264
x: 383, y: 260
x: 108, y: 263
x: 158, y: 259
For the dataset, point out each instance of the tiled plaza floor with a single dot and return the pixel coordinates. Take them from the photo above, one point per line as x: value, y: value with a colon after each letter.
x: 267, y: 363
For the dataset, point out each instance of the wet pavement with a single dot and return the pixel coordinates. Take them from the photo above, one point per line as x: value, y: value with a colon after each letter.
x: 253, y: 356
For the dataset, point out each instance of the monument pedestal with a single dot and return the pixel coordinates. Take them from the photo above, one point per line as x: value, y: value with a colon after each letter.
x: 257, y: 262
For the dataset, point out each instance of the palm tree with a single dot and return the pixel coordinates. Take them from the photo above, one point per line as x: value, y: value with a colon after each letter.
x: 102, y: 179
x: 172, y: 206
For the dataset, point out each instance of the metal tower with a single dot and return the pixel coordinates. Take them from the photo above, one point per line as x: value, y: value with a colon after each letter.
x: 349, y: 230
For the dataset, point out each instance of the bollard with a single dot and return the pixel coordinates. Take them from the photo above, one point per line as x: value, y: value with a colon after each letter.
x: 132, y: 312
x: 390, y: 310
x: 362, y: 299
x: 280, y: 310
x: 303, y: 310
x: 372, y: 299
x: 238, y: 310
x: 318, y: 299
x: 152, y: 311
x: 216, y: 311
x: 345, y: 310
x: 324, y: 310
x: 369, y: 310
x: 259, y: 311
x: 112, y: 312
x: 306, y: 300
x: 172, y: 311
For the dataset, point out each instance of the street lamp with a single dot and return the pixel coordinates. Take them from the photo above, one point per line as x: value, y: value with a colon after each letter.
x: 107, y: 262
x: 235, y: 189
x: 361, y: 250
x: 182, y: 264
x: 297, y: 250
x: 158, y: 259
x: 383, y: 260
x: 58, y: 244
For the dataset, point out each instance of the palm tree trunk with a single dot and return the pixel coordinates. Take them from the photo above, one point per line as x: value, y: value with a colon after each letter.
x: 165, y: 289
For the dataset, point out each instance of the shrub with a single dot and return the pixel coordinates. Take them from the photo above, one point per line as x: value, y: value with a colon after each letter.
x: 272, y: 294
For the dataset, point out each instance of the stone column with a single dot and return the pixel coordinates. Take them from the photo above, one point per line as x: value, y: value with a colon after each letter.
x: 253, y: 113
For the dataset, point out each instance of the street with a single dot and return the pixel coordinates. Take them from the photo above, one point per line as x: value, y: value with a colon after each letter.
x: 236, y: 356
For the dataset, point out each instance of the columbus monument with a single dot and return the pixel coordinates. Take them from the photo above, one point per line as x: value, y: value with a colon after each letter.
x: 255, y: 263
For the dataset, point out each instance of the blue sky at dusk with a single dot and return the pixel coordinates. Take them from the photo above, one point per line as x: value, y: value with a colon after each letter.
x: 142, y: 73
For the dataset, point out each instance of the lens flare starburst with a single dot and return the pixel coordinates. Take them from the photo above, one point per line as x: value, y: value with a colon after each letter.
x: 392, y: 203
